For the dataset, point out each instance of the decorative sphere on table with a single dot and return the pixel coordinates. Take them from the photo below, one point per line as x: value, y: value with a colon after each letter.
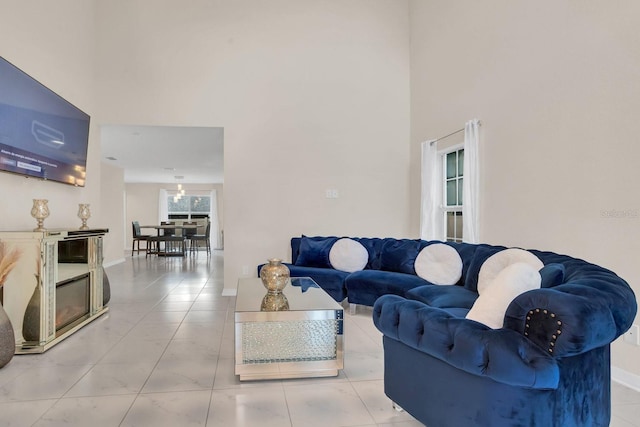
x: 274, y: 275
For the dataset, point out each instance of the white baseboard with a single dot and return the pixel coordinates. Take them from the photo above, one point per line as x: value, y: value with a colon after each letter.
x: 111, y: 263
x: 229, y: 292
x: 625, y: 378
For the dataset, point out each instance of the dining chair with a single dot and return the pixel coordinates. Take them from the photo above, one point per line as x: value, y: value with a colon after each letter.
x: 196, y: 238
x: 168, y: 231
x: 137, y: 237
x: 153, y: 245
x: 166, y: 236
x: 172, y: 242
x: 188, y: 233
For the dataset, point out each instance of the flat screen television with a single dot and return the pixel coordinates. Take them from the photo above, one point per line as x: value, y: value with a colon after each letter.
x: 41, y: 134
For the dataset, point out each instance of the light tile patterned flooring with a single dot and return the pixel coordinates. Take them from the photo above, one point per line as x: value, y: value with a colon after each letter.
x: 163, y: 356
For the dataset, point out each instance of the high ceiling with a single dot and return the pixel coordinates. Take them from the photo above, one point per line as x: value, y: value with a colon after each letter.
x: 163, y: 154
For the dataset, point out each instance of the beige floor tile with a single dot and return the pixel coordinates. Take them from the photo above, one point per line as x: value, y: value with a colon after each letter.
x: 164, y: 356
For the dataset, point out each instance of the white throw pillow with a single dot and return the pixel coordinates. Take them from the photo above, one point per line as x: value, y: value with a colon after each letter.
x: 499, y: 261
x: 513, y: 280
x: 348, y: 255
x: 439, y: 264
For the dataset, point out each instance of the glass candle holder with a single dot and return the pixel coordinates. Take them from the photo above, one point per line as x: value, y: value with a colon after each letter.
x: 84, y: 213
x: 40, y: 211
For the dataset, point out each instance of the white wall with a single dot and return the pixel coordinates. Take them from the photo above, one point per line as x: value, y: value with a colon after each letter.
x: 556, y: 87
x: 312, y: 95
x: 61, y: 57
x: 112, y: 212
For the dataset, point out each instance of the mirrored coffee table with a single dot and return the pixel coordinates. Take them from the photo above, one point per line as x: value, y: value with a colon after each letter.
x: 295, y: 334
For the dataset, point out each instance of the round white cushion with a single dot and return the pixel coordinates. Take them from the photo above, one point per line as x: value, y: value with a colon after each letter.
x: 501, y: 260
x: 348, y: 255
x: 492, y: 304
x: 439, y: 264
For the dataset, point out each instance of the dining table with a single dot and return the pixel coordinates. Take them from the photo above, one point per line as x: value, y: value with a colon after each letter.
x: 166, y: 252
x: 171, y: 226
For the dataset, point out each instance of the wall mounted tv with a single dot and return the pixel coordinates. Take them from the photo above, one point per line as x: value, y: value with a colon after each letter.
x: 41, y: 134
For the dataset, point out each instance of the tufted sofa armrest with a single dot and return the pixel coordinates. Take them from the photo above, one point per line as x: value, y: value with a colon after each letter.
x: 574, y: 317
x: 503, y: 355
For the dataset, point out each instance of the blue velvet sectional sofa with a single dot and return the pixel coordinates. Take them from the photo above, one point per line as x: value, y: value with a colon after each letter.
x: 548, y: 364
x: 389, y: 269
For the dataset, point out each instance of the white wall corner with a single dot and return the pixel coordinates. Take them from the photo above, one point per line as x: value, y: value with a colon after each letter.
x: 229, y: 292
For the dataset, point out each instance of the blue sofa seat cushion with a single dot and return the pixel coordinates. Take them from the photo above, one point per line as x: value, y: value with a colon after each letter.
x: 443, y: 296
x: 330, y: 280
x: 457, y: 312
x: 364, y: 287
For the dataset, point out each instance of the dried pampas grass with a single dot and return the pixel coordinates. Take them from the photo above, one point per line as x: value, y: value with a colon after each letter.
x: 8, y: 260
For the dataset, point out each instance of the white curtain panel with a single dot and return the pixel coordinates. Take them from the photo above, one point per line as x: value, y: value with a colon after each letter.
x: 431, y: 221
x: 471, y: 183
x: 215, y: 235
x: 163, y: 206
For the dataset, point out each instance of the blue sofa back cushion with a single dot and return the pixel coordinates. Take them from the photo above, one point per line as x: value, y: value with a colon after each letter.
x: 552, y: 275
x: 295, y: 248
x: 466, y: 252
x: 399, y: 255
x: 473, y: 257
x: 314, y: 252
x: 374, y: 247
